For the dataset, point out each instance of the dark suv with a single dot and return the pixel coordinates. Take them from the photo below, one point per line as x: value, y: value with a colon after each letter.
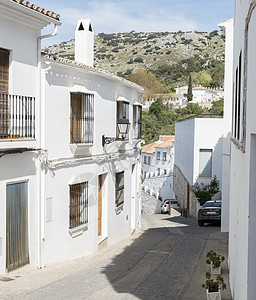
x: 210, y: 212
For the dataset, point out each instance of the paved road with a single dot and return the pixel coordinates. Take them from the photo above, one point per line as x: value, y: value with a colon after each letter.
x: 158, y: 262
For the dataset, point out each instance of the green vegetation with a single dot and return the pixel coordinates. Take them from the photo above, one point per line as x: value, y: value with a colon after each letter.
x: 160, y: 120
x: 171, y: 56
x: 190, y: 95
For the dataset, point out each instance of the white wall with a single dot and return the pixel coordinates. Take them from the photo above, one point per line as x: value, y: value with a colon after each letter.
x: 191, y: 136
x: 242, y: 226
x: 227, y: 123
x: 184, y: 148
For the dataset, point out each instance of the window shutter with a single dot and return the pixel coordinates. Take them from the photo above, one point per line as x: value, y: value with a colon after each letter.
x: 4, y: 80
x: 4, y: 71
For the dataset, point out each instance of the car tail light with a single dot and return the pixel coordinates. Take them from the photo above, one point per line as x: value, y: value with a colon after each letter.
x: 199, y: 211
x: 165, y: 205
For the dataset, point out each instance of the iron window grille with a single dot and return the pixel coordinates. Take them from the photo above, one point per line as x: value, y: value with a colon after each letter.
x: 17, y: 117
x: 119, y: 188
x: 137, y: 121
x: 81, y: 118
x: 78, y: 205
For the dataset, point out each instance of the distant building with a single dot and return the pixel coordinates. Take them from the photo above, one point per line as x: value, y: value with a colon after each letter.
x: 174, y: 99
x: 157, y: 167
x: 202, y: 94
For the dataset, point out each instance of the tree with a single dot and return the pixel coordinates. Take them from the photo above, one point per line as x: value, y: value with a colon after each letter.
x: 189, y: 94
x: 206, y: 79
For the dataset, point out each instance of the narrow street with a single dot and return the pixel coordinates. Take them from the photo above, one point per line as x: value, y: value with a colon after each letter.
x: 164, y: 260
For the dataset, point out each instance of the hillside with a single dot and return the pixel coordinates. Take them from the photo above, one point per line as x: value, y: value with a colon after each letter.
x: 170, y: 55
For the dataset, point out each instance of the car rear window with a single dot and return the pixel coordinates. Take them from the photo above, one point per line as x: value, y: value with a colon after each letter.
x: 212, y: 204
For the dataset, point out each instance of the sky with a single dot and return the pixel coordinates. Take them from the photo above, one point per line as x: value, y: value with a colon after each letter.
x: 110, y: 16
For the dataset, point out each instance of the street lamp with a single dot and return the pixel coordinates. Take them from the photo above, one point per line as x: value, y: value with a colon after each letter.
x: 123, y: 126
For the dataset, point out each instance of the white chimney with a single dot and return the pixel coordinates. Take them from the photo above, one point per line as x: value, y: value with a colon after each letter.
x: 84, y: 42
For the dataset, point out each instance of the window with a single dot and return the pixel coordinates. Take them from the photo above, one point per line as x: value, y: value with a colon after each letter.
x: 158, y: 155
x: 137, y: 121
x: 165, y: 172
x: 158, y: 171
x: 81, y: 118
x: 149, y: 160
x: 237, y: 101
x: 145, y: 160
x: 78, y: 205
x: 164, y: 155
x: 4, y: 103
x: 122, y: 113
x: 205, y: 162
x: 120, y: 188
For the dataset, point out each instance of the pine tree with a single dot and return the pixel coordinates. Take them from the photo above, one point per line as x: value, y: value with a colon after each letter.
x: 189, y: 94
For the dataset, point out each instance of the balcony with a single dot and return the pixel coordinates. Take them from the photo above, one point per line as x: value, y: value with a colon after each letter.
x: 17, y: 119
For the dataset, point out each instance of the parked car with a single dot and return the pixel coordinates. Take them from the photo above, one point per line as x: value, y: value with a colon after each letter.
x: 165, y: 207
x: 210, y: 212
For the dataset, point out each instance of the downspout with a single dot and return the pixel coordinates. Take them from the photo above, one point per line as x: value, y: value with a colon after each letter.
x: 40, y: 132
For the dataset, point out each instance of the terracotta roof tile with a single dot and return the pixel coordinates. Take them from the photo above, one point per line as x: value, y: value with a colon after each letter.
x: 165, y: 141
x: 41, y: 10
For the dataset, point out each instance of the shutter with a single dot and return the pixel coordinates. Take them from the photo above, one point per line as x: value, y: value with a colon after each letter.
x: 4, y: 71
x: 4, y: 83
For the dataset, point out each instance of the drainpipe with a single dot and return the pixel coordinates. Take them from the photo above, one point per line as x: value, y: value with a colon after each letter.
x: 40, y: 132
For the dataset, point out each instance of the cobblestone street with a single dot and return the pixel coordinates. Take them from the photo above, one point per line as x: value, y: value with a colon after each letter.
x: 164, y: 260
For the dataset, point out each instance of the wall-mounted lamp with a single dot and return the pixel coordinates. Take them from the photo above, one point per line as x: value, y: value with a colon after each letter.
x: 123, y: 129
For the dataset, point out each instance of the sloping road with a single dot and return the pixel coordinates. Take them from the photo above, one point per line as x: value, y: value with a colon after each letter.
x: 165, y: 260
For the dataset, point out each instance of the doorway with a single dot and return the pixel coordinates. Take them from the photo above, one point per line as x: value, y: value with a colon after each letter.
x: 17, y: 250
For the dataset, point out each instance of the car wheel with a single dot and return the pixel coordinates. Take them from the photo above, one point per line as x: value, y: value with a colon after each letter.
x: 201, y: 223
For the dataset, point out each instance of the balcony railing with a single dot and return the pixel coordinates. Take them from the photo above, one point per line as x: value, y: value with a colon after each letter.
x: 17, y: 117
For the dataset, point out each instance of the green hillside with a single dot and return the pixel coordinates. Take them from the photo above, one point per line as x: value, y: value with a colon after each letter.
x: 171, y: 56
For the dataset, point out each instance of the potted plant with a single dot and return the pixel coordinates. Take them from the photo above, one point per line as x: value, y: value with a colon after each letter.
x: 215, y: 261
x: 214, y: 286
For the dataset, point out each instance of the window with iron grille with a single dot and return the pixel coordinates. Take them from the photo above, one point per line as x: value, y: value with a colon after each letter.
x: 78, y: 204
x: 81, y: 118
x: 137, y: 121
x: 122, y: 113
x: 119, y: 188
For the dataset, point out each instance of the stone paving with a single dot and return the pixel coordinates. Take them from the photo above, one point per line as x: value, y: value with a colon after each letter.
x: 164, y: 260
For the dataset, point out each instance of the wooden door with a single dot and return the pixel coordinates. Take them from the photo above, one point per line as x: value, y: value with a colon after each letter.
x: 100, y: 206
x: 17, y: 250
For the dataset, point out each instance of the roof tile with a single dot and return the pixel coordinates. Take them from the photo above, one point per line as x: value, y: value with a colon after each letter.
x: 41, y: 10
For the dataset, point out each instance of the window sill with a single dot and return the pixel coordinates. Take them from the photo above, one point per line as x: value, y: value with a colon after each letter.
x: 80, y: 149
x: 119, y: 208
x: 74, y: 232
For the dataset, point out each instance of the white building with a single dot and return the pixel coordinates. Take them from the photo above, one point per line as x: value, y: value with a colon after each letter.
x: 168, y: 99
x: 157, y: 167
x: 198, y: 157
x: 68, y: 181
x: 227, y: 27
x: 242, y: 226
x: 202, y: 94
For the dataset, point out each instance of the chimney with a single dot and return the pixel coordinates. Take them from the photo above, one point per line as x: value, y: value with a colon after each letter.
x: 84, y: 42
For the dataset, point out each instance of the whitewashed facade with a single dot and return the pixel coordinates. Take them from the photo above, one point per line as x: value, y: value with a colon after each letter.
x: 202, y: 94
x: 242, y: 228
x: 157, y: 167
x: 79, y: 194
x: 227, y: 27
x: 198, y: 156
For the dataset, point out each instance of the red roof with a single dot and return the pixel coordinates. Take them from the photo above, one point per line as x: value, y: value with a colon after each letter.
x: 41, y: 10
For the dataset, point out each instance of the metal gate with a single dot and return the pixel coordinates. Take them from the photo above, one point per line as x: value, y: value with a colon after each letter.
x: 17, y: 253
